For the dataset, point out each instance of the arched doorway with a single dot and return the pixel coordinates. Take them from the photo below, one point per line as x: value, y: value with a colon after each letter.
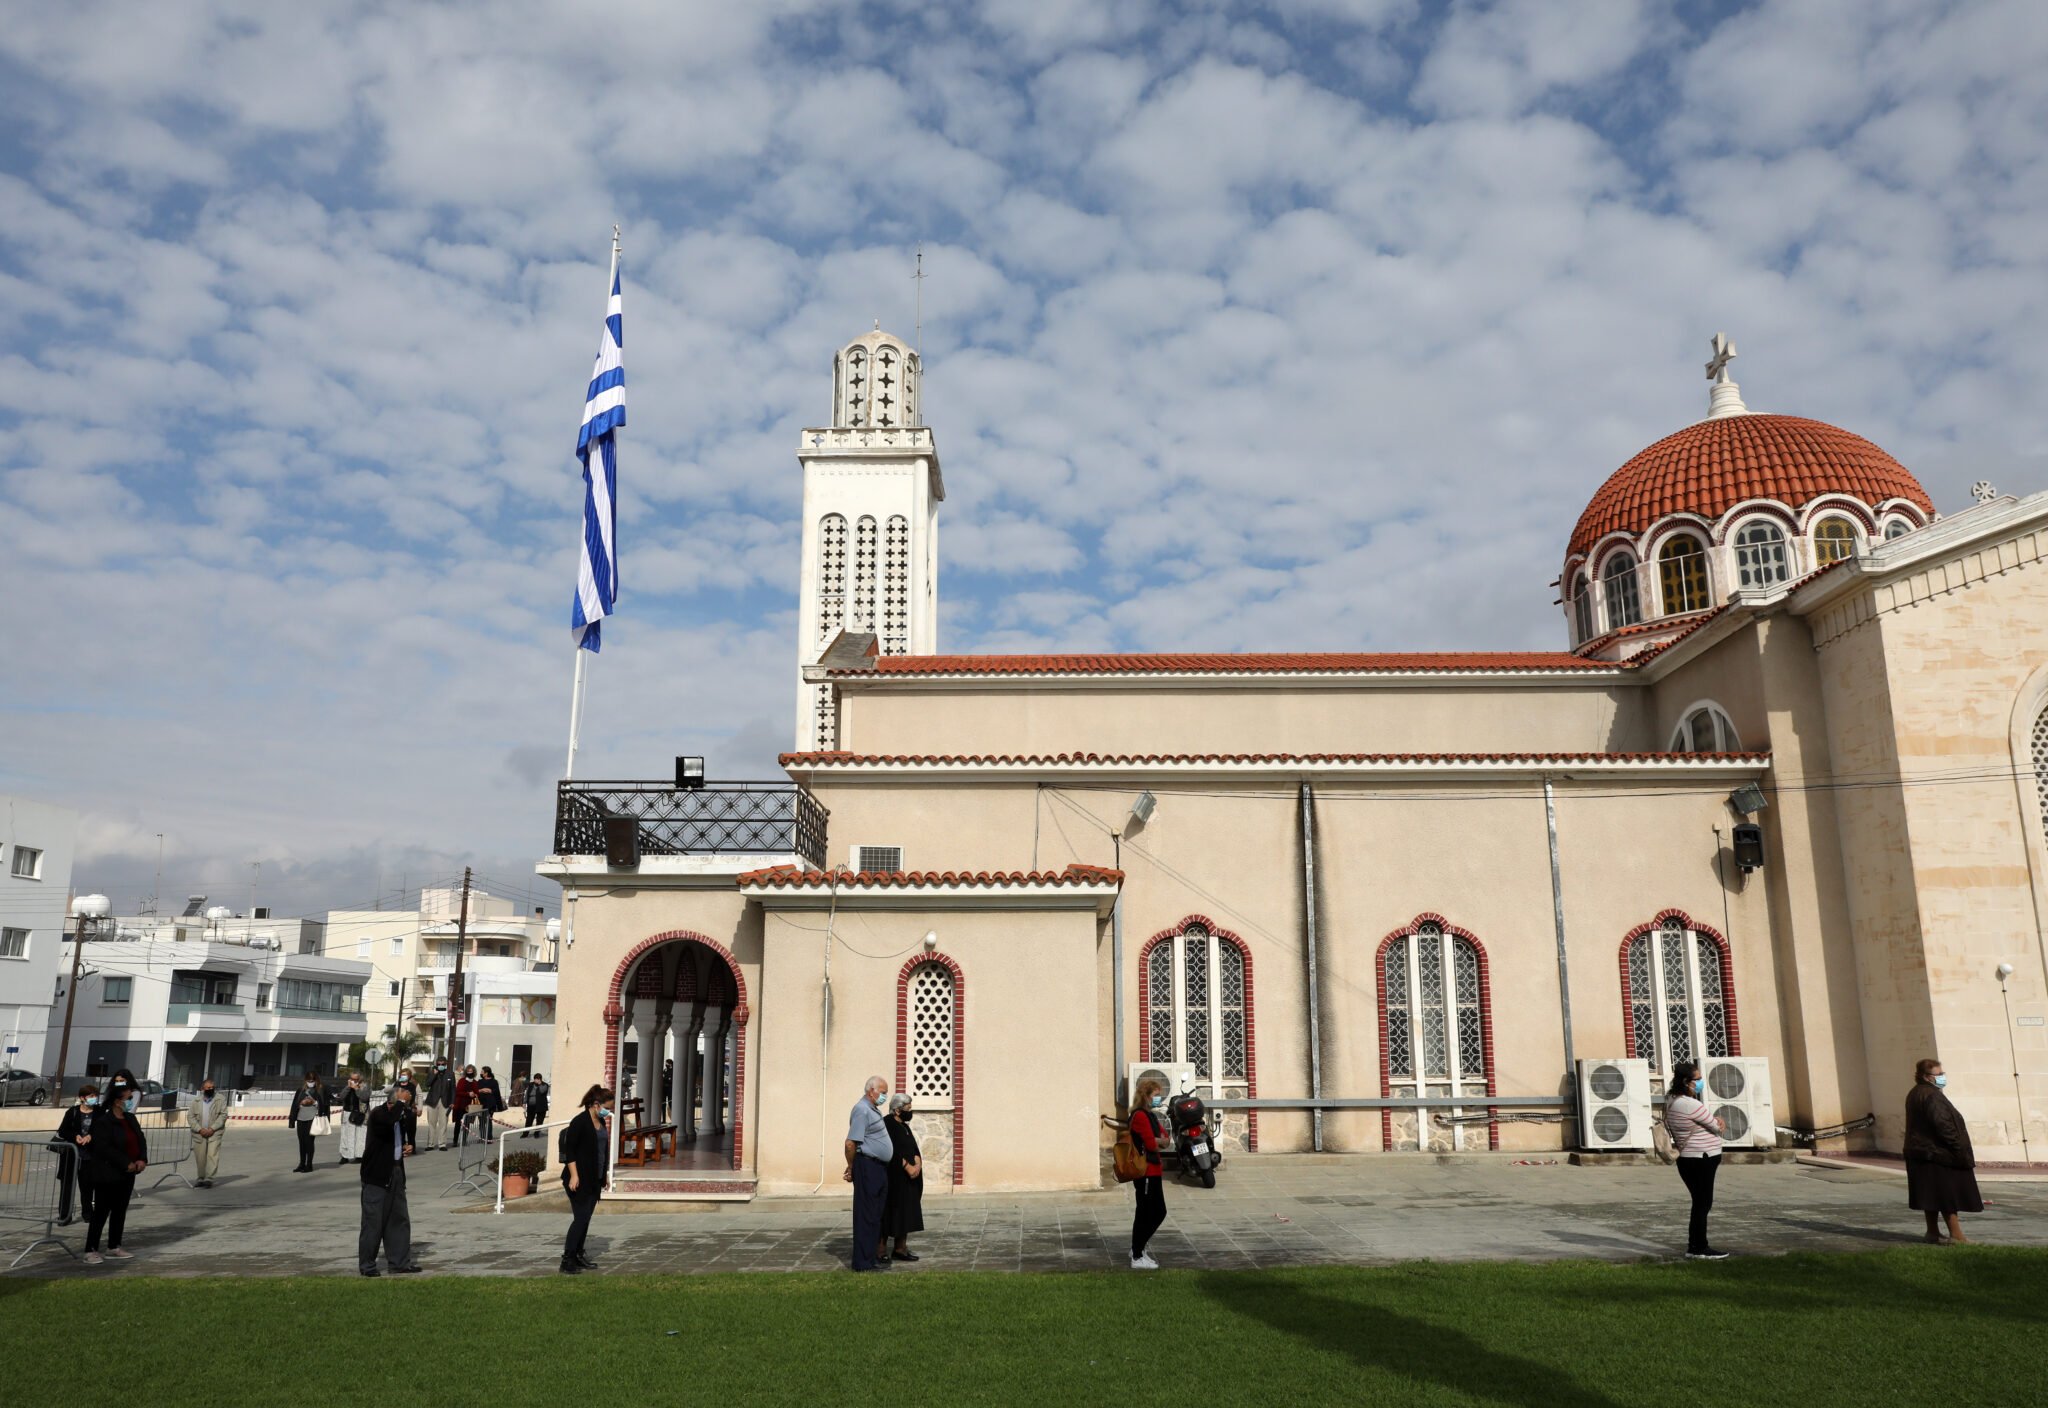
x: 680, y: 998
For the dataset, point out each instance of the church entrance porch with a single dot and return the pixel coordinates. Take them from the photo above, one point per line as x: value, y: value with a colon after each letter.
x: 675, y: 1054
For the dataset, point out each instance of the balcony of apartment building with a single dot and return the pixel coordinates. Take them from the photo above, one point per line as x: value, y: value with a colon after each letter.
x: 688, y: 825
x: 206, y: 1003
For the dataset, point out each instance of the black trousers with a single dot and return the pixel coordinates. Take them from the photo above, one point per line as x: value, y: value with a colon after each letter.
x: 305, y: 1129
x: 1699, y: 1181
x: 581, y: 1206
x: 535, y: 1116
x: 870, y: 1197
x: 1151, y: 1211
x: 386, y: 1220
x: 109, y: 1210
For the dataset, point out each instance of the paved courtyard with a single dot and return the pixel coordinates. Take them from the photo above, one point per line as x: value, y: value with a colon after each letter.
x: 1277, y: 1210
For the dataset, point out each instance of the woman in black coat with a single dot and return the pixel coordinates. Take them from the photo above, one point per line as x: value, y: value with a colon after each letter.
x: 115, y: 1151
x: 586, y: 1158
x: 1939, y: 1160
x: 490, y: 1100
x: 72, y: 1169
x: 904, y: 1212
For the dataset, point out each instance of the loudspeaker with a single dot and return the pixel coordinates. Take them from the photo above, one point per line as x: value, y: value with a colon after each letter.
x: 1749, y: 847
x: 622, y: 842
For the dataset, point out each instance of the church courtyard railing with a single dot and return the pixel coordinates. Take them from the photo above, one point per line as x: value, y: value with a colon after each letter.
x: 724, y: 818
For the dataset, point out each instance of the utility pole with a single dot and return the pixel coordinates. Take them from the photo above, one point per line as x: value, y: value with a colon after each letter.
x: 70, y: 1001
x: 456, y: 997
x: 156, y: 890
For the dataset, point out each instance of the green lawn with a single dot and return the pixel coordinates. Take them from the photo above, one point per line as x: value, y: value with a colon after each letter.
x: 1950, y: 1326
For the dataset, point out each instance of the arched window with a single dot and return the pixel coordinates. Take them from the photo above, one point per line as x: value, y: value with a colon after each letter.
x: 2040, y: 751
x: 1682, y: 569
x: 930, y: 1032
x: 930, y: 1076
x: 1833, y: 540
x: 831, y: 576
x: 1760, y: 559
x: 1619, y: 583
x: 1195, y: 999
x: 896, y: 586
x: 1896, y: 528
x: 1705, y: 729
x: 864, y: 575
x: 1582, y: 608
x: 1678, y: 1005
x: 1434, y: 1042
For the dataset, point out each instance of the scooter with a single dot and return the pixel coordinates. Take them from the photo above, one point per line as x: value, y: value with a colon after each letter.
x: 1194, y: 1138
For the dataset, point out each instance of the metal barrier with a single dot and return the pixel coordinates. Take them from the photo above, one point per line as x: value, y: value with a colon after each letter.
x: 33, y: 1173
x: 170, y: 1144
x: 470, y: 1159
x: 511, y: 1141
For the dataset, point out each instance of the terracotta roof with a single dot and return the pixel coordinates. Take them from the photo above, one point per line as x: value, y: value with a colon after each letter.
x: 1710, y: 467
x: 1316, y: 663
x: 782, y: 877
x: 827, y: 760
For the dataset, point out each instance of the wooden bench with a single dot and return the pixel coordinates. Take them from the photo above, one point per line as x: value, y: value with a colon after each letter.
x: 635, y: 1134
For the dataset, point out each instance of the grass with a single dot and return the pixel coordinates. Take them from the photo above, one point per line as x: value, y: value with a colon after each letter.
x: 1956, y: 1326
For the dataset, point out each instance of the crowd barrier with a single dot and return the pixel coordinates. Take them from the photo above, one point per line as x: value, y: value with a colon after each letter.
x: 33, y: 1173
x: 471, y: 1165
x: 539, y: 1138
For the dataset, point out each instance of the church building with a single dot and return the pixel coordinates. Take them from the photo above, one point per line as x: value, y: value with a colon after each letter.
x: 1777, y: 803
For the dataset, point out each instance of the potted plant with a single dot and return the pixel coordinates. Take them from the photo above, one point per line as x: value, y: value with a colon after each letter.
x: 521, y: 1169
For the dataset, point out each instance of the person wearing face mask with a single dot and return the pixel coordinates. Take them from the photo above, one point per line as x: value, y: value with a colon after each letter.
x: 536, y: 1101
x: 1696, y: 1140
x: 71, y: 1131
x: 903, y: 1214
x: 355, y: 1115
x: 1941, y: 1178
x: 465, y: 1106
x: 490, y: 1099
x: 388, y: 1136
x: 868, y: 1152
x: 586, y: 1153
x: 439, y: 1095
x: 310, y: 1105
x: 1147, y: 1125
x: 115, y: 1152
x: 207, y: 1117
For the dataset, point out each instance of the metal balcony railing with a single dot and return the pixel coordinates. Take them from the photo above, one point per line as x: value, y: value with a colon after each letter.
x: 726, y: 818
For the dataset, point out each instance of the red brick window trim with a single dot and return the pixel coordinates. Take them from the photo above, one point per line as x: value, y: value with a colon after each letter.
x: 1438, y: 924
x: 1251, y: 1045
x: 905, y: 1021
x: 1650, y: 1043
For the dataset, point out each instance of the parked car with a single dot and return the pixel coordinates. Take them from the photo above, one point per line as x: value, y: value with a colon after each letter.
x: 26, y: 1087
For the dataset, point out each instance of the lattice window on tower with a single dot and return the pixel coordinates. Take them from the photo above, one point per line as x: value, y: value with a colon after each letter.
x: 831, y: 576
x: 1159, y: 1001
x: 825, y: 733
x: 864, y: 575
x: 931, y: 1032
x: 857, y: 387
x: 888, y: 390
x: 2041, y: 768
x: 896, y: 587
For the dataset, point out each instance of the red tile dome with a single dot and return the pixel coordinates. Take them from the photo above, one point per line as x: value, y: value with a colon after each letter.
x: 1710, y: 467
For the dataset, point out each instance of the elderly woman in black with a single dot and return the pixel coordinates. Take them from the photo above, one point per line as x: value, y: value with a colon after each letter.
x: 115, y: 1151
x: 904, y: 1212
x: 1939, y: 1160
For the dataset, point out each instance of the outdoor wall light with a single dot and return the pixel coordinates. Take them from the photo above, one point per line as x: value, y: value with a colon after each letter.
x: 931, y: 941
x: 1749, y: 846
x: 689, y: 774
x: 1141, y: 810
x: 1748, y: 799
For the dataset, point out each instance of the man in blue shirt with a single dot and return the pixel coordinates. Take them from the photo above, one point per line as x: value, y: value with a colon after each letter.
x: 868, y: 1150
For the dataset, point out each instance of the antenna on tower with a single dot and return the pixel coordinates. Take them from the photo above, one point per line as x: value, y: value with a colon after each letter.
x: 918, y: 338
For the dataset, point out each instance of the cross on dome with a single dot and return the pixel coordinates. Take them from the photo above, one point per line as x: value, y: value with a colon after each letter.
x: 1726, y: 397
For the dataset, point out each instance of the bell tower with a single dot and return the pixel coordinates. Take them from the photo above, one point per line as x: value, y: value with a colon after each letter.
x: 872, y: 491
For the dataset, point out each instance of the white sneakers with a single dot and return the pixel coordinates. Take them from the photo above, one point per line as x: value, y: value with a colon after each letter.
x: 116, y: 1254
x: 1143, y: 1263
x: 93, y: 1258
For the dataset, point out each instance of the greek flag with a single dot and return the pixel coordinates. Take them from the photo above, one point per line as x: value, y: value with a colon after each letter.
x: 604, y: 411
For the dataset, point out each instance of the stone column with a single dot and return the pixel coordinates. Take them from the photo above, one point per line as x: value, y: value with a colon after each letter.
x: 714, y: 1053
x: 687, y: 1078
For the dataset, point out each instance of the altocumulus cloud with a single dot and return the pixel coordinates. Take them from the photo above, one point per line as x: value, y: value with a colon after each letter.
x: 1310, y: 324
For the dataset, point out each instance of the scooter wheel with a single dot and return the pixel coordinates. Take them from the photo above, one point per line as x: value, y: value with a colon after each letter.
x: 1208, y: 1178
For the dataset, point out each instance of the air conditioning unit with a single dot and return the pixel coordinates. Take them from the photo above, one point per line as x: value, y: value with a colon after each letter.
x: 1614, y: 1104
x: 1179, y: 1076
x: 1737, y: 1090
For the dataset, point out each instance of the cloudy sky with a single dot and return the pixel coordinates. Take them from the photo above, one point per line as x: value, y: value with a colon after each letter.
x: 1310, y: 325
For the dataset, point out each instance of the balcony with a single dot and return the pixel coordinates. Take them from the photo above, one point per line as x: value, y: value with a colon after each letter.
x: 727, y: 818
x: 206, y: 1016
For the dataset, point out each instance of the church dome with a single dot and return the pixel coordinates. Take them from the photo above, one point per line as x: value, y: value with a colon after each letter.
x: 1710, y: 467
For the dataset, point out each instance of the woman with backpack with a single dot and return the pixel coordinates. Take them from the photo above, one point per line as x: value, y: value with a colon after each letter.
x: 1696, y: 1140
x: 1147, y: 1127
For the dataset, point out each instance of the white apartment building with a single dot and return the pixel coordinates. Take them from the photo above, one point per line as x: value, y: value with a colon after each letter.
x: 245, y: 1000
x: 507, y: 966
x: 36, y: 841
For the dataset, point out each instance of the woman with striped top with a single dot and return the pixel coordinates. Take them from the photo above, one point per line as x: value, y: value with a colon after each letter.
x: 1696, y: 1139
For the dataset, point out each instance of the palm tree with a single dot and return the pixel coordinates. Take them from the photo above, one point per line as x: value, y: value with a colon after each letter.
x: 398, y: 1045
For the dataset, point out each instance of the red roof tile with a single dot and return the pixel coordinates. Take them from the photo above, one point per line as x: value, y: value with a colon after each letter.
x: 1318, y: 663
x: 813, y: 760
x: 1710, y: 467
x: 789, y: 877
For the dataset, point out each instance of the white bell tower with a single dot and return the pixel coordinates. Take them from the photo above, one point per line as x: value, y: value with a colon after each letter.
x: 872, y: 491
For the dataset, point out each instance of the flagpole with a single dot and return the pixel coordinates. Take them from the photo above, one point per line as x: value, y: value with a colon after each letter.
x: 576, y: 688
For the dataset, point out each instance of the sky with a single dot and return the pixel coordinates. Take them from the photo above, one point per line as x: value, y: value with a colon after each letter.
x: 1308, y: 325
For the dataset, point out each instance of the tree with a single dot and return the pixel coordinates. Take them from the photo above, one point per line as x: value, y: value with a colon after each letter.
x: 399, y: 1045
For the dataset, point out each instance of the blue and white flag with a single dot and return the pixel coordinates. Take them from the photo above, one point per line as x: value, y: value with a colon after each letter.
x: 604, y: 411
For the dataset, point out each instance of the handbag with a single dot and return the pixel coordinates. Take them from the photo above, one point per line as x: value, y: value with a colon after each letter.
x: 1129, y: 1160
x: 1660, y: 1143
x: 322, y: 1127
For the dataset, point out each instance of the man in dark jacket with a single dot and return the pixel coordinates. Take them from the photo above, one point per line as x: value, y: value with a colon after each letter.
x: 439, y: 1095
x: 385, y: 1216
x: 536, y: 1100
